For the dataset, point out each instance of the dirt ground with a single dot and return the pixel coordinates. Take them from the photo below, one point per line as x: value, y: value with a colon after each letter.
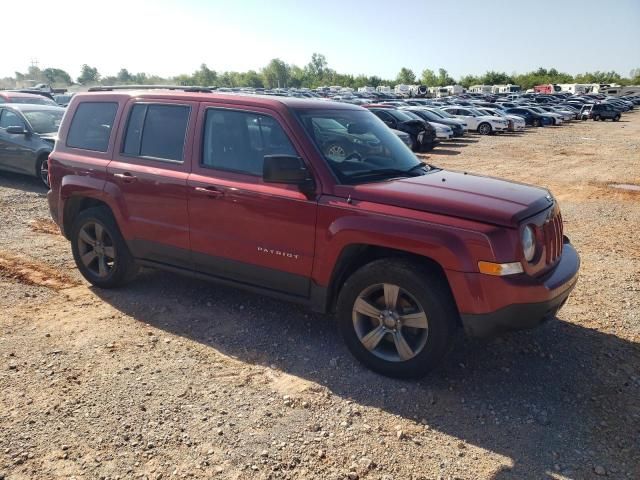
x: 176, y: 378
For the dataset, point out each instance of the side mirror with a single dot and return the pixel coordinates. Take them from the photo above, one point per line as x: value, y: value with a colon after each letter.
x: 15, y: 130
x: 288, y: 169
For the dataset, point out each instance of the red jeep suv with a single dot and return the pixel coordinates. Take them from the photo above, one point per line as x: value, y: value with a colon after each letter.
x: 243, y: 190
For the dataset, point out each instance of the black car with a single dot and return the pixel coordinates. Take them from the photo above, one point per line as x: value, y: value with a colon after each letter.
x: 458, y: 130
x: 422, y: 134
x: 27, y: 136
x: 530, y: 117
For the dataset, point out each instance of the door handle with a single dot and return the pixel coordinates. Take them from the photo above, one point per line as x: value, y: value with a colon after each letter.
x: 126, y: 177
x: 211, y: 192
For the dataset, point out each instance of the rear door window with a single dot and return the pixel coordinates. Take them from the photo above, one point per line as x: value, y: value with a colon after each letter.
x: 91, y: 126
x: 157, y: 131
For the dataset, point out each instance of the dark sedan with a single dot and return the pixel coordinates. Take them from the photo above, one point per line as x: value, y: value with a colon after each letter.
x: 531, y: 117
x: 27, y: 136
x: 423, y: 135
x: 458, y: 130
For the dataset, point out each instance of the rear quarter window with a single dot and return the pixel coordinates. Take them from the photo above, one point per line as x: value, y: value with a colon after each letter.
x: 91, y: 126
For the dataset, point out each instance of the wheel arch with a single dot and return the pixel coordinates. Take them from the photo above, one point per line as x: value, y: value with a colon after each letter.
x: 72, y: 208
x: 355, y: 256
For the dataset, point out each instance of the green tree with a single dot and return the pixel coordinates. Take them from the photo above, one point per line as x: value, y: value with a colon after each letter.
x: 429, y: 78
x: 496, y: 78
x: 57, y: 76
x: 406, y: 76
x: 88, y: 75
x: 444, y: 78
x: 317, y: 67
x: 276, y: 74
x: 252, y: 79
x: 469, y: 80
x: 124, y: 76
x: 205, y: 76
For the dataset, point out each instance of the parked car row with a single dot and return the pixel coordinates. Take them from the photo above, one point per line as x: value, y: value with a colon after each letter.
x: 29, y: 119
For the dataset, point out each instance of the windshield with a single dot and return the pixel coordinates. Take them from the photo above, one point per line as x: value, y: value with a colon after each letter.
x: 364, y: 149
x: 44, y: 121
x: 442, y: 113
x: 35, y: 100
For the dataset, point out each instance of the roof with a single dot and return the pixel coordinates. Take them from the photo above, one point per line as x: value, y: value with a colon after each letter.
x: 273, y: 101
x: 14, y: 94
x: 30, y: 107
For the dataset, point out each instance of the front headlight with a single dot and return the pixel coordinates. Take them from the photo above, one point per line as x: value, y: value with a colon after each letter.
x: 528, y: 243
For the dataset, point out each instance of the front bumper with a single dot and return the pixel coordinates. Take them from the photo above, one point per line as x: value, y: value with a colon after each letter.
x: 526, y: 304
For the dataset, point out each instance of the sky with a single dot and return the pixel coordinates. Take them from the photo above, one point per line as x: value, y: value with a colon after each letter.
x: 168, y: 37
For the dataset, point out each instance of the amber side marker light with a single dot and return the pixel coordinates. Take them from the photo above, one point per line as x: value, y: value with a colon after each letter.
x: 500, y: 269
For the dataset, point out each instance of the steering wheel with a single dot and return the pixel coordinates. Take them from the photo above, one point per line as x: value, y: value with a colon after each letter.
x: 355, y: 155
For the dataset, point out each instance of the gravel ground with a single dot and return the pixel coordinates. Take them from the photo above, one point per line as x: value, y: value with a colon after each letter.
x: 175, y: 378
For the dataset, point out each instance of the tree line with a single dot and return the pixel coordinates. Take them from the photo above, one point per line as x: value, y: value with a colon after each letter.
x: 317, y: 72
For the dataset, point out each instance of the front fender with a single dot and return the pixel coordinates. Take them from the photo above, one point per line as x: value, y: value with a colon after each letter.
x: 455, y: 244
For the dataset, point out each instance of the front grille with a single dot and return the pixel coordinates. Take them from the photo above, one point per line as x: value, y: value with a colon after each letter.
x: 553, y: 235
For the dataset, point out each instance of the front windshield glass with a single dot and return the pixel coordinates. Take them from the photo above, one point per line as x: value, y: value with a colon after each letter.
x: 44, y: 121
x: 359, y: 147
x: 443, y: 114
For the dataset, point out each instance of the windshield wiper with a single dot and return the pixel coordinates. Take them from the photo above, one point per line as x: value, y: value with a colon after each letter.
x: 389, y: 171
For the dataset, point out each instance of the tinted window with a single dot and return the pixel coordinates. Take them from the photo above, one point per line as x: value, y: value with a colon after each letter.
x: 157, y: 131
x: 10, y: 119
x: 91, y: 126
x: 238, y: 141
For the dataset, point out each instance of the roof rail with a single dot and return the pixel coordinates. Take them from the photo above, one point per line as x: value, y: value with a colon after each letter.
x: 151, y: 87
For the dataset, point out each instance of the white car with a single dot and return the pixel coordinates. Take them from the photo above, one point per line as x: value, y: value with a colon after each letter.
x: 476, y: 120
x: 516, y: 123
x: 442, y: 131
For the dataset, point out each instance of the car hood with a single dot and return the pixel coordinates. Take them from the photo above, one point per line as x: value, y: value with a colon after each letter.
x: 473, y: 197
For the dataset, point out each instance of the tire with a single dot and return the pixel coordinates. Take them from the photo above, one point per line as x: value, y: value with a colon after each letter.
x: 616, y: 118
x: 394, y: 349
x: 484, y: 129
x: 42, y: 170
x: 537, y: 122
x: 596, y: 118
x: 95, y: 231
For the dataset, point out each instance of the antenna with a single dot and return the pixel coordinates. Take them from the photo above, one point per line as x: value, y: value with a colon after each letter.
x: 35, y: 62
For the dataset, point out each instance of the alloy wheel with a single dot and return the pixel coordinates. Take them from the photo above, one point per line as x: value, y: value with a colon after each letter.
x: 390, y: 323
x: 44, y: 172
x: 96, y: 248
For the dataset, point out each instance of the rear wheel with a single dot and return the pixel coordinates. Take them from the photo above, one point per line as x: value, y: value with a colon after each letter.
x: 100, y: 252
x: 484, y: 129
x: 616, y: 118
x: 396, y: 318
x: 596, y: 118
x: 537, y: 122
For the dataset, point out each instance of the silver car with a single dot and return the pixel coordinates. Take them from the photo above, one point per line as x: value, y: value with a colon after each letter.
x: 27, y: 136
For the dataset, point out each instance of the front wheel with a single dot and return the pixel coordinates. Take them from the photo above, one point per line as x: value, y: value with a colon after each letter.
x: 100, y: 252
x: 396, y: 318
x: 616, y: 118
x: 42, y: 171
x: 596, y: 118
x: 484, y: 129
